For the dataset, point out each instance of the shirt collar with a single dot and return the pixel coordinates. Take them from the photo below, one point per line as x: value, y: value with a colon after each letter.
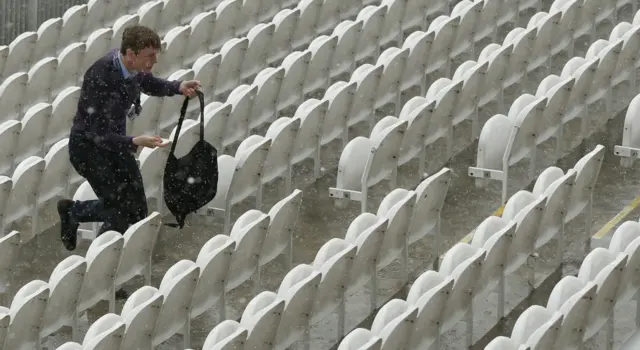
x: 125, y: 72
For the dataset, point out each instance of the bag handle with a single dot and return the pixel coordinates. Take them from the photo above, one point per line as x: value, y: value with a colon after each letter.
x: 183, y: 113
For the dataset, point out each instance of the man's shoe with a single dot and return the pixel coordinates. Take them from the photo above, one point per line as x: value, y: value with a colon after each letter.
x: 122, y: 294
x: 68, y: 226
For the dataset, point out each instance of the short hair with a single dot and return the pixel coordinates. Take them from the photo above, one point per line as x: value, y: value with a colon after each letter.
x: 138, y: 38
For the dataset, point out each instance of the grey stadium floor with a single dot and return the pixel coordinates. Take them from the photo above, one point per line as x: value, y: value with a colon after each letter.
x: 465, y: 208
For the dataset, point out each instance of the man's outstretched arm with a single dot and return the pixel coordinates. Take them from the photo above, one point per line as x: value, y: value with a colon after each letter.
x: 159, y: 87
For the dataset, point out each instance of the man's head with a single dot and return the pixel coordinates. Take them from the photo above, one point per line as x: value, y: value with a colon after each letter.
x: 140, y: 47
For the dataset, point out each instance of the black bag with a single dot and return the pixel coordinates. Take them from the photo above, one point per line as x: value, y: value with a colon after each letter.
x: 191, y: 181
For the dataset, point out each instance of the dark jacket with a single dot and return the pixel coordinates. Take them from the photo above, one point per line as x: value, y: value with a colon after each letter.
x: 106, y: 98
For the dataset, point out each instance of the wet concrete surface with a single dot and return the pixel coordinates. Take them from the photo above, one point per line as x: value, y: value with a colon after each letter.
x: 465, y: 207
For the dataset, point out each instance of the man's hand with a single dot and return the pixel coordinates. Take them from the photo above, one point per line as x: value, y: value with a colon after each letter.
x: 149, y: 141
x: 188, y: 87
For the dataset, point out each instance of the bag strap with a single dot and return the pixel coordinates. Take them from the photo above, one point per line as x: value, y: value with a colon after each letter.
x: 183, y: 113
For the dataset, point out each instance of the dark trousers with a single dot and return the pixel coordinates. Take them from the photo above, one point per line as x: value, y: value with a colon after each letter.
x: 116, y: 181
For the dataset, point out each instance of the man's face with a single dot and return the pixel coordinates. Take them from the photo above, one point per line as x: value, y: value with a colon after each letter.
x: 144, y: 60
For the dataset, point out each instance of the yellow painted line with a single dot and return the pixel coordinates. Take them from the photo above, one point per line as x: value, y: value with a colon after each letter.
x: 616, y: 219
x: 498, y: 212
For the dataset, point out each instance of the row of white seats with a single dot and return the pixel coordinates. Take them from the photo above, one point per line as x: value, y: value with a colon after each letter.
x: 183, y: 44
x: 69, y: 106
x: 80, y: 22
x: 141, y: 118
x: 394, y: 141
x: 580, y: 306
x: 554, y: 208
x: 294, y: 29
x: 416, y: 59
x: 225, y: 262
x: 301, y: 72
x: 18, y: 199
x: 507, y: 140
x: 625, y: 240
x: 14, y: 89
x: 77, y: 283
x: 628, y: 150
x: 43, y: 110
x: 578, y: 201
x: 469, y: 271
x: 34, y: 164
x: 289, y: 141
x: 626, y: 232
x: 428, y: 197
x: 253, y: 154
x: 241, y: 58
x: 35, y: 185
x: 487, y: 20
x: 434, y: 187
x: 207, y: 32
x: 428, y: 52
x: 49, y: 76
x: 309, y: 293
x: 335, y: 130
x: 398, y: 202
x: 45, y: 122
x: 41, y: 84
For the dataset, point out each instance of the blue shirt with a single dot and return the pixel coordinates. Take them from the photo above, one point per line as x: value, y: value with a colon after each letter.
x: 136, y: 108
x: 125, y: 72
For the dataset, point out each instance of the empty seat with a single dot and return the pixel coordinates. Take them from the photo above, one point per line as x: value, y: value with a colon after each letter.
x: 429, y: 295
x: 214, y: 261
x: 33, y: 131
x: 22, y: 200
x: 394, y: 323
x: 227, y: 335
x: 367, y: 232
x: 27, y: 309
x: 249, y: 233
x: 279, y: 239
x: 361, y: 339
x: 261, y: 317
x: 69, y: 71
x: 103, y: 258
x: 105, y: 333
x: 48, y: 37
x: 298, y: 289
x: 140, y: 315
x: 21, y: 50
x: 571, y: 298
x: 12, y: 93
x: 137, y: 251
x: 64, y: 291
x: 239, y: 178
x: 537, y: 327
x: 429, y: 200
x: 334, y: 260
x: 177, y: 287
x: 367, y: 161
x: 73, y: 21
x: 283, y: 133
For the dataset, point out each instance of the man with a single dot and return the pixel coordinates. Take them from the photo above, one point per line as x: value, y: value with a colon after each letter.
x: 99, y: 149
